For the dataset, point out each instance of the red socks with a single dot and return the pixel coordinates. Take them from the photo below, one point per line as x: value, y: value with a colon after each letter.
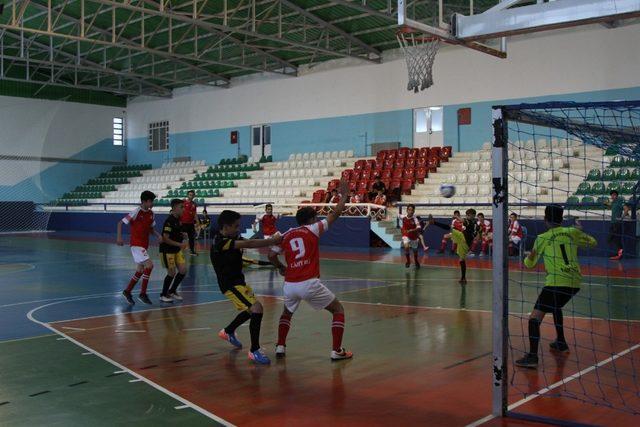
x: 145, y: 280
x: 283, y: 328
x: 443, y: 245
x: 337, y: 329
x: 485, y: 247
x: 134, y: 279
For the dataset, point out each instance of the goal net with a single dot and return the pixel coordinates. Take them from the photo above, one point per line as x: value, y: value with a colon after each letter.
x: 567, y: 327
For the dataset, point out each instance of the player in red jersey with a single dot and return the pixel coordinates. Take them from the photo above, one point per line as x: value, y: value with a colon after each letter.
x: 189, y: 220
x: 411, y: 229
x: 380, y: 200
x: 486, y: 230
x: 300, y: 247
x: 515, y: 233
x: 353, y: 198
x: 141, y: 222
x: 267, y: 221
x: 456, y: 224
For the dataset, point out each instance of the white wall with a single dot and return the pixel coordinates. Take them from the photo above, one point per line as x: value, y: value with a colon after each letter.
x: 41, y: 128
x: 567, y: 61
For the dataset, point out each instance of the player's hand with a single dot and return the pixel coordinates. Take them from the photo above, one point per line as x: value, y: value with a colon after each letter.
x: 184, y: 245
x: 276, y: 238
x: 282, y: 270
x: 120, y: 242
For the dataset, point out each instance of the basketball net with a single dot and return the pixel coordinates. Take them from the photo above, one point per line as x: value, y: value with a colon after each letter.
x: 419, y: 53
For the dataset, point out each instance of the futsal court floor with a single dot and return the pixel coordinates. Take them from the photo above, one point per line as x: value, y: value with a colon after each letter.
x: 73, y: 353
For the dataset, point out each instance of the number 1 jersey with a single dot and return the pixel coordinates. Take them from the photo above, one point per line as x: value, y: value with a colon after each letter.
x: 301, y: 251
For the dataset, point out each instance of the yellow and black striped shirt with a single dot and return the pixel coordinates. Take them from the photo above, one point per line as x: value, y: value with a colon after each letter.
x: 227, y: 262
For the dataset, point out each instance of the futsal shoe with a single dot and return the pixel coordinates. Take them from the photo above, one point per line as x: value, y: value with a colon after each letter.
x: 342, y: 354
x: 128, y: 297
x: 231, y: 338
x: 176, y: 296
x: 558, y: 346
x: 280, y: 351
x: 145, y: 299
x: 528, y: 361
x: 166, y: 299
x: 407, y: 265
x: 462, y: 281
x: 259, y: 357
x: 417, y: 266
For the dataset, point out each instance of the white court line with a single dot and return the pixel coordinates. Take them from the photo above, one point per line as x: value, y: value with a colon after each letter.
x: 73, y: 329
x: 119, y: 372
x: 60, y: 339
x: 26, y: 338
x: 88, y: 353
x: 137, y: 380
x: 196, y: 329
x: 124, y: 368
x: 181, y: 407
x: 558, y: 384
x: 130, y: 331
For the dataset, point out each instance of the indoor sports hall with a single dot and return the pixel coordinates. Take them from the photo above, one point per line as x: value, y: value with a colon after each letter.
x: 319, y: 212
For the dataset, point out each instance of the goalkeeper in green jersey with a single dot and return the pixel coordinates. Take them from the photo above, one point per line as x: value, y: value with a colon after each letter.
x: 559, y: 249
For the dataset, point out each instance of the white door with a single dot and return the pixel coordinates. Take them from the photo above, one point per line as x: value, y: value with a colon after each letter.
x: 260, y: 141
x: 427, y: 127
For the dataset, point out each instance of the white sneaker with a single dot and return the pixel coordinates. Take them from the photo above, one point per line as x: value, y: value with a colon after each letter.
x: 165, y: 299
x: 341, y: 355
x: 280, y: 351
x: 176, y: 296
x: 471, y: 255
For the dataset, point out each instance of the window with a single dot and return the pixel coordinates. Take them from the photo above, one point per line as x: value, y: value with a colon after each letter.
x: 159, y: 136
x: 266, y: 134
x: 118, y: 131
x: 428, y: 119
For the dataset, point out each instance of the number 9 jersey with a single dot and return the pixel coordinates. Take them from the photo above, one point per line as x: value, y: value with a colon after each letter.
x: 301, y: 251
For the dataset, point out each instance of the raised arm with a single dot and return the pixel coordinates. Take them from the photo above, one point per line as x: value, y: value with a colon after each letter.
x: 531, y: 260
x: 258, y: 243
x: 343, y: 190
x: 582, y: 239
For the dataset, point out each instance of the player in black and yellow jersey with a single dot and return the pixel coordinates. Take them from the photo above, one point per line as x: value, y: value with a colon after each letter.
x: 171, y: 253
x: 226, y: 257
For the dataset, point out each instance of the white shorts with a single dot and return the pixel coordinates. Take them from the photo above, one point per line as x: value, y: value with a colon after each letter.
x: 413, y: 244
x: 515, y: 239
x: 140, y: 255
x: 312, y: 291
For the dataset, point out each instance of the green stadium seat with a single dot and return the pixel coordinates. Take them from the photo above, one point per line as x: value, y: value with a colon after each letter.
x: 603, y: 200
x: 627, y: 187
x: 618, y: 161
x: 588, y: 200
x: 598, y: 188
x: 609, y: 175
x: 632, y: 163
x: 613, y: 186
x: 584, y: 188
x: 624, y: 174
x: 573, y: 201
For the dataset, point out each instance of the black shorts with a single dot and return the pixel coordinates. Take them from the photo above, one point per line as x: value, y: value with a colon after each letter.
x: 554, y: 297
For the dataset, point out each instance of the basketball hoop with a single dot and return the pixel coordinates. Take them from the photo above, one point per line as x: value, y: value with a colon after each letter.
x: 419, y: 53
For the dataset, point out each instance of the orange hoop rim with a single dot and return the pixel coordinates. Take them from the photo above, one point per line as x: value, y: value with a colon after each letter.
x: 419, y: 37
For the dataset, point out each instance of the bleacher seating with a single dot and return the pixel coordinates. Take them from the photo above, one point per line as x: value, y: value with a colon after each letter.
x: 622, y: 175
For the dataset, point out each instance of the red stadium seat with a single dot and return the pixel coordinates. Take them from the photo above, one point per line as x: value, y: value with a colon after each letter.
x: 363, y: 185
x: 408, y: 173
x: 386, y: 174
x: 406, y: 186
x: 398, y: 164
x: 411, y: 162
x: 414, y: 153
x: 346, y: 174
x: 445, y: 154
x: 318, y: 196
x: 371, y: 164
x: 379, y: 165
x: 391, y: 155
x: 434, y: 152
x: 403, y: 151
x: 424, y: 153
x: 356, y: 175
x: 359, y: 165
x: 421, y: 162
x: 394, y: 185
x: 375, y: 173
x: 363, y: 195
x: 433, y: 164
x: 397, y: 173
x: 353, y: 185
x: 381, y: 155
x: 386, y: 182
x: 421, y: 174
x: 388, y: 164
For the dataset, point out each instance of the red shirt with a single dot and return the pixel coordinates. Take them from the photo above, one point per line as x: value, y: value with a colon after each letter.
x: 456, y: 224
x: 486, y: 226
x: 268, y: 223
x: 189, y: 213
x: 515, y: 230
x: 141, y: 223
x: 335, y: 199
x: 354, y: 199
x: 301, y: 251
x: 410, y: 227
